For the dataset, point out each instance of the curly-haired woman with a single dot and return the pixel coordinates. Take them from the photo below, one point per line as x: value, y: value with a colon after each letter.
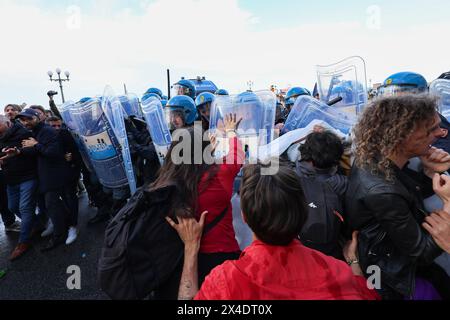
x: 384, y: 198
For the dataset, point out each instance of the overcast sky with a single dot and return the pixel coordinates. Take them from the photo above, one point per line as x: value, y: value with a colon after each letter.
x: 228, y: 41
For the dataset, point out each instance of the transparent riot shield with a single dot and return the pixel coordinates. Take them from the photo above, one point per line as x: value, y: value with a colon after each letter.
x: 441, y: 89
x: 346, y: 79
x: 131, y: 105
x: 115, y: 113
x: 257, y: 113
x: 66, y: 113
x: 307, y: 109
x: 102, y: 145
x: 157, y: 126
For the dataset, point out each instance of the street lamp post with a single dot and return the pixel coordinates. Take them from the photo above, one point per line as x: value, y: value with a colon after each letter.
x: 250, y: 85
x: 58, y: 72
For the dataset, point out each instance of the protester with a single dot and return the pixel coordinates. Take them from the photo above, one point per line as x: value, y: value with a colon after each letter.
x: 276, y: 266
x: 20, y: 174
x: 41, y: 111
x: 11, y: 111
x: 204, y: 186
x: 324, y: 189
x: 8, y: 218
x: 49, y: 150
x: 73, y: 157
x: 384, y: 197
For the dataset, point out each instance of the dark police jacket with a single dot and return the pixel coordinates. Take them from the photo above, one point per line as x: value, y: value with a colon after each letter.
x: 389, y: 217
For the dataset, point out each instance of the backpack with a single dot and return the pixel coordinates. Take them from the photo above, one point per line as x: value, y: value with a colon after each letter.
x: 323, y: 227
x: 141, y: 250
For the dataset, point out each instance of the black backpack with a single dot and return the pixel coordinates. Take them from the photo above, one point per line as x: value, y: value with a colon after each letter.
x: 141, y: 250
x: 322, y: 229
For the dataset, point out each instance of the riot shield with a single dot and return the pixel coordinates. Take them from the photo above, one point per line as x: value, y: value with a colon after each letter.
x: 115, y: 113
x: 441, y: 89
x: 278, y: 146
x: 307, y: 109
x: 131, y: 106
x: 346, y: 79
x: 257, y: 111
x: 157, y: 126
x: 65, y: 111
x: 101, y: 143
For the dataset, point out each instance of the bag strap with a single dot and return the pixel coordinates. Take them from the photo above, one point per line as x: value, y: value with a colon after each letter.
x: 215, y: 221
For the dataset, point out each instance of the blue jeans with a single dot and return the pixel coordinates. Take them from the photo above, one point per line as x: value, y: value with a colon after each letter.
x: 22, y: 202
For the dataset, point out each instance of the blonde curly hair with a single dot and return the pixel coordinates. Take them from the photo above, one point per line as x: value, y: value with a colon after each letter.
x: 385, y: 125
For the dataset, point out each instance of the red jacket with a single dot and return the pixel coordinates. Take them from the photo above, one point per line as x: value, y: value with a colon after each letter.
x: 294, y: 272
x: 216, y: 197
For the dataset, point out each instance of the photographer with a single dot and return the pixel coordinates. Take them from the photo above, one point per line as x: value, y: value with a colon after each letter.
x: 52, y: 104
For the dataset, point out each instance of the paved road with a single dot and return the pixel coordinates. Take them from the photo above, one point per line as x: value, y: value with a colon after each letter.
x: 42, y: 276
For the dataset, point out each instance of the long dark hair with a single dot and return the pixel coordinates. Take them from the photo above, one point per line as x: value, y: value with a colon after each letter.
x: 187, y: 174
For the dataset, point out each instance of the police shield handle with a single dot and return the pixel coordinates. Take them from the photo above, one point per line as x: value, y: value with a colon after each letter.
x: 334, y: 101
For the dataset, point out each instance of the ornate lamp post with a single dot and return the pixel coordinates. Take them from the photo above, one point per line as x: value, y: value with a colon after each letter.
x: 58, y: 72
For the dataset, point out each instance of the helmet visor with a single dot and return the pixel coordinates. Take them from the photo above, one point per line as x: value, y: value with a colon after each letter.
x: 178, y: 90
x: 398, y: 90
x: 205, y: 110
x: 175, y: 118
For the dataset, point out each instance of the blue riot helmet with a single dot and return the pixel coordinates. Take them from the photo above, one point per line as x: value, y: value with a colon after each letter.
x: 154, y: 91
x: 288, y: 103
x: 84, y: 100
x: 297, y: 92
x: 180, y: 112
x: 148, y: 95
x: 251, y: 110
x: 344, y: 90
x: 184, y: 88
x: 403, y: 83
x: 222, y: 92
x: 203, y: 103
x: 246, y: 97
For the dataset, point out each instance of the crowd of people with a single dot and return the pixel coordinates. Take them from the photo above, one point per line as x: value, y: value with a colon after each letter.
x: 319, y: 223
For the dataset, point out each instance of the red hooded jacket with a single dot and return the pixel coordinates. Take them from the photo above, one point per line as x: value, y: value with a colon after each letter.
x: 294, y: 272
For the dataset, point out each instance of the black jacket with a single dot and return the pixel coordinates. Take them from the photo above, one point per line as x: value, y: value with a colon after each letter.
x: 70, y: 146
x: 53, y: 170
x: 389, y: 218
x: 143, y: 152
x: 22, y: 167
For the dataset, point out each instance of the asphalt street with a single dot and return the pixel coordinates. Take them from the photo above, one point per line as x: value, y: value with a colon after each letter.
x: 43, y: 276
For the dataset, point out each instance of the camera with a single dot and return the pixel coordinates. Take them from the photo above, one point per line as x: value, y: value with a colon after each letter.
x: 52, y: 93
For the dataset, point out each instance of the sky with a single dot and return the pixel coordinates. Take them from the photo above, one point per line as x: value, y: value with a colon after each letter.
x: 231, y: 42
